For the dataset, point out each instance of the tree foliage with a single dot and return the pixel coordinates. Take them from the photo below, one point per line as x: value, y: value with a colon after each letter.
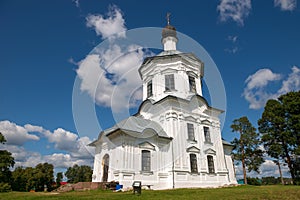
x: 6, y: 161
x: 26, y: 179
x: 246, y: 147
x: 59, y: 177
x: 280, y: 129
x: 77, y: 174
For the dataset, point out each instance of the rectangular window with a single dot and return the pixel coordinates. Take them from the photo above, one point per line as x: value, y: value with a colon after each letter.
x: 149, y: 89
x: 210, y: 161
x: 169, y: 82
x: 193, y: 162
x: 192, y: 84
x: 207, y: 134
x: 190, y: 129
x: 146, y: 160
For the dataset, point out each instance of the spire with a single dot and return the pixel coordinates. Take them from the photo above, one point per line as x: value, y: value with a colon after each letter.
x: 169, y: 36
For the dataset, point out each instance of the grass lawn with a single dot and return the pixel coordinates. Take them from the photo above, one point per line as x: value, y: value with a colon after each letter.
x: 242, y: 192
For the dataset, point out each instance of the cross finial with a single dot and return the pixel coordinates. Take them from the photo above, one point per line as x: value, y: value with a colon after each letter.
x: 168, y: 18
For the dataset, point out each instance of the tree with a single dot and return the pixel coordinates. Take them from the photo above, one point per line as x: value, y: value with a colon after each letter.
x: 59, y: 177
x: 77, y: 174
x: 29, y: 178
x: 6, y: 161
x: 280, y: 129
x: 246, y: 147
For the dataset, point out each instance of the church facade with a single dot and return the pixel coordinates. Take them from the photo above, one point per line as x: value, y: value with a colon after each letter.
x: 174, y: 140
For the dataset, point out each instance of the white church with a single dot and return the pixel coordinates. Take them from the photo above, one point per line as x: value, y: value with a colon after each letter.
x: 174, y: 140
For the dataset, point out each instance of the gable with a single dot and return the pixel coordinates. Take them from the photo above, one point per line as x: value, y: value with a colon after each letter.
x: 193, y: 149
x: 210, y: 151
x: 147, y: 145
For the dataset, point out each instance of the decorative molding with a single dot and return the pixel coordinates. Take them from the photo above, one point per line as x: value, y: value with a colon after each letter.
x: 210, y: 151
x: 147, y: 145
x: 193, y: 149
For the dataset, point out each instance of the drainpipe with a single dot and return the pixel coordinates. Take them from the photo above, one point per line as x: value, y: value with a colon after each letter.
x: 173, y: 167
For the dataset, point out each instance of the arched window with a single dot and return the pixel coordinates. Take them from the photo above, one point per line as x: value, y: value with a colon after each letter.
x: 210, y: 162
x: 146, y: 160
x: 193, y: 161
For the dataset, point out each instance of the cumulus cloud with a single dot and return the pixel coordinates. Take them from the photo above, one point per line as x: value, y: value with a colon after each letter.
x: 236, y: 10
x: 75, y: 148
x: 268, y: 168
x: 110, y: 74
x: 256, y: 92
x: 110, y: 27
x: 16, y: 134
x: 286, y: 5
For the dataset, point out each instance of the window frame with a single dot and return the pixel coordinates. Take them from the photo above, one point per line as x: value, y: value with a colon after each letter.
x: 169, y: 82
x: 193, y: 163
x: 146, y: 161
x: 210, y: 164
x: 192, y: 84
x: 191, y: 132
x: 149, y: 89
x: 206, y: 132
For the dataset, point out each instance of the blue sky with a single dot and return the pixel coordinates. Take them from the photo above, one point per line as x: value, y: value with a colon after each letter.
x: 45, y: 48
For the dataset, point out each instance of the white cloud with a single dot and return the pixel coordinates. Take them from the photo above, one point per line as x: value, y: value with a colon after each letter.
x: 63, y: 140
x: 292, y: 83
x: 110, y: 27
x: 261, y: 78
x: 15, y: 134
x: 256, y: 92
x: 286, y: 5
x: 268, y: 168
x: 77, y: 151
x: 111, y: 78
x: 236, y: 10
x: 110, y: 75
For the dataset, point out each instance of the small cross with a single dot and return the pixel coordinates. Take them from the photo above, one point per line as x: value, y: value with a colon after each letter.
x: 168, y: 18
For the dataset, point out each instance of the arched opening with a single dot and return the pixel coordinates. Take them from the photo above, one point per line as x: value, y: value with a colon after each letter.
x: 105, y: 166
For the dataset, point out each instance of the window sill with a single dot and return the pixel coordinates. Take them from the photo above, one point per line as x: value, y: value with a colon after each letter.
x: 168, y: 91
x: 206, y: 142
x: 192, y: 141
x: 146, y: 172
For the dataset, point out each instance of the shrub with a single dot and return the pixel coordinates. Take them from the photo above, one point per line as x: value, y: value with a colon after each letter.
x: 5, y: 187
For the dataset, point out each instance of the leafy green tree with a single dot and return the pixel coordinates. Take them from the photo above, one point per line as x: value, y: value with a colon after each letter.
x: 246, y: 147
x: 77, y: 174
x: 19, y: 179
x: 33, y: 178
x: 6, y: 161
x: 280, y: 129
x: 59, y: 177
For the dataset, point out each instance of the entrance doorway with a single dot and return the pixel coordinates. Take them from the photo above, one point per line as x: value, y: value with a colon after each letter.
x: 105, y: 164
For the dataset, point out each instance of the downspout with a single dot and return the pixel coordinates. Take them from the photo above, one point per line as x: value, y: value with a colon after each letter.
x: 173, y: 167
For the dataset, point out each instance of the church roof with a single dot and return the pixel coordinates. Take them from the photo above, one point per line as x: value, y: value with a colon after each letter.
x: 136, y: 127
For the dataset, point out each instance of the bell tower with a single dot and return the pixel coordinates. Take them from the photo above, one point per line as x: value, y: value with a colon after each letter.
x: 171, y: 72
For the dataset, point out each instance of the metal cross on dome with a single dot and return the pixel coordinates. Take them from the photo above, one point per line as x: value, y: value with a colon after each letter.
x: 168, y: 18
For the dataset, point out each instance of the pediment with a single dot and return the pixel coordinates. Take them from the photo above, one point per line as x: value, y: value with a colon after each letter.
x: 190, y: 118
x: 193, y: 149
x: 210, y: 151
x: 206, y: 122
x: 147, y: 145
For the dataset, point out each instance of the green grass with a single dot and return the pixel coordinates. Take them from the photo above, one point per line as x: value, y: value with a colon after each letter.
x: 242, y: 192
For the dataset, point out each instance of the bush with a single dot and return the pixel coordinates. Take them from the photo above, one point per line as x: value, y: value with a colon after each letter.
x: 253, y: 181
x: 5, y: 187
